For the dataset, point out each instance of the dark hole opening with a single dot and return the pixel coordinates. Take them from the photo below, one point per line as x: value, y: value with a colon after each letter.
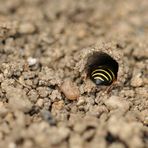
x: 99, y: 59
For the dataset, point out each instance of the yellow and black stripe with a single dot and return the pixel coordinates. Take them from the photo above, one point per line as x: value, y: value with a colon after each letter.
x: 102, y: 75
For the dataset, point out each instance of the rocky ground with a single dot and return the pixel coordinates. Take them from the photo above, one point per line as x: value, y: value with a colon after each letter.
x: 45, y: 101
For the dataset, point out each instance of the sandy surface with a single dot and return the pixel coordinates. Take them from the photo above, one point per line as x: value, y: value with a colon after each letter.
x: 45, y: 99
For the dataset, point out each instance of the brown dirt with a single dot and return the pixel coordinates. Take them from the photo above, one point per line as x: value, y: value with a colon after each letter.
x: 43, y: 50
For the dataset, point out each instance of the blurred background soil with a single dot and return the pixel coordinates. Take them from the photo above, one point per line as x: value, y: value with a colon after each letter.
x: 44, y: 102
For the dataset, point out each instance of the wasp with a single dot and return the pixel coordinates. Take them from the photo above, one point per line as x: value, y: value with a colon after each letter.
x: 103, y: 75
x: 102, y: 68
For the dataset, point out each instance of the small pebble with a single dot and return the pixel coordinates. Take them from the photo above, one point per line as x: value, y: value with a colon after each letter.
x: 31, y: 61
x: 28, y: 82
x: 55, y: 95
x: 43, y: 91
x: 136, y: 80
x: 33, y: 95
x: 70, y: 90
x: 12, y: 145
x: 18, y: 99
x: 81, y: 101
x: 40, y: 102
x: 58, y: 105
x: 142, y: 91
x: 115, y: 102
x: 26, y: 28
x: 47, y: 104
x: 29, y: 75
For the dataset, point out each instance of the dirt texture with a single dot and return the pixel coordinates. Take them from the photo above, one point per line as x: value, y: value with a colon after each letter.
x: 46, y: 99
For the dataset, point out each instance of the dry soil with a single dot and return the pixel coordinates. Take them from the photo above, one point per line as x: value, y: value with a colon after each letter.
x: 46, y: 100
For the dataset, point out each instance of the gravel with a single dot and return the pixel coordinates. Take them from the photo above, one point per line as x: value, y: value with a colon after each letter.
x: 46, y: 97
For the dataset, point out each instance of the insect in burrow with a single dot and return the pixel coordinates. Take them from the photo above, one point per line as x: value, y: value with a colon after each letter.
x: 103, y: 75
x: 102, y: 69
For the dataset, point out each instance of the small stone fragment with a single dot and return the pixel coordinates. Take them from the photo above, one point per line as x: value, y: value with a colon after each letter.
x: 18, y: 99
x: 70, y: 90
x: 40, y: 102
x: 142, y: 91
x: 58, y: 105
x: 43, y: 91
x: 115, y: 102
x: 33, y: 95
x: 31, y: 61
x: 55, y: 95
x: 136, y: 80
x: 81, y: 101
x: 26, y: 28
x: 47, y: 103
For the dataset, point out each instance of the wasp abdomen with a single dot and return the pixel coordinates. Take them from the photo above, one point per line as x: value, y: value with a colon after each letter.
x: 102, y: 75
x: 101, y: 68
